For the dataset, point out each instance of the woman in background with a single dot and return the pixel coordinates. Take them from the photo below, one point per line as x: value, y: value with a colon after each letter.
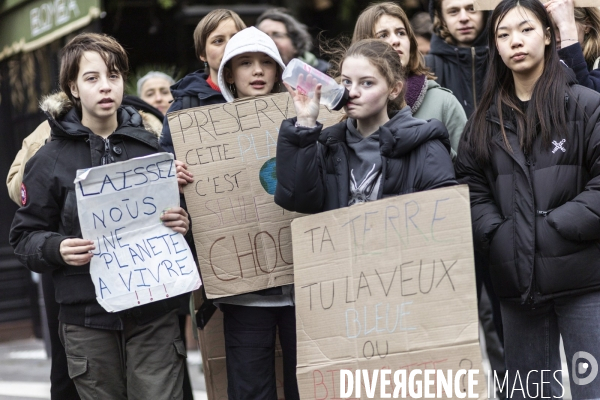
x: 578, y: 39
x: 154, y: 89
x: 426, y: 99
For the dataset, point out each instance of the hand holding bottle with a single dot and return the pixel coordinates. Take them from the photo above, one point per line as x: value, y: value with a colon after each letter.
x: 307, y: 109
x: 304, y: 79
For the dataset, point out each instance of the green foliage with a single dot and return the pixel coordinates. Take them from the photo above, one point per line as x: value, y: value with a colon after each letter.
x: 167, y: 4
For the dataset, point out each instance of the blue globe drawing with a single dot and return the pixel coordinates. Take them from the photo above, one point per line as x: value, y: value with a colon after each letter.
x: 268, y: 177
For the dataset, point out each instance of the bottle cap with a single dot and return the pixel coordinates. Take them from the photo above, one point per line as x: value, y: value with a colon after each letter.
x: 343, y: 100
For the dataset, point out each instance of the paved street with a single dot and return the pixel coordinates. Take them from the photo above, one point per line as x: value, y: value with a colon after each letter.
x: 25, y: 371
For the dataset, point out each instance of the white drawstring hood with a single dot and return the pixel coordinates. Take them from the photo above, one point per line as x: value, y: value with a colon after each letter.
x: 249, y: 40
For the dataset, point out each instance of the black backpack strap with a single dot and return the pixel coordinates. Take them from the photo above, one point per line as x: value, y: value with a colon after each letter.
x: 190, y: 102
x: 206, y: 310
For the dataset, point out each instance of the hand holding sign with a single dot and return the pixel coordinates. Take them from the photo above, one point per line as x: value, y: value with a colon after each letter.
x: 132, y: 223
x: 76, y: 252
x: 183, y: 175
x: 176, y: 218
x: 242, y: 237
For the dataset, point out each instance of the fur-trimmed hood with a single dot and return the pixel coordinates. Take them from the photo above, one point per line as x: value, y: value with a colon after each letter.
x: 65, y: 119
x: 56, y: 105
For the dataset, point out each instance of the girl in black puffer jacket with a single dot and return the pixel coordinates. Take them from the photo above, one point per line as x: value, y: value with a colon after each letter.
x: 531, y: 157
x: 377, y: 152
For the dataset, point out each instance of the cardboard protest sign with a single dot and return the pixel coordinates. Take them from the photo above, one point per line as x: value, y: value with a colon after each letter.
x: 137, y: 260
x: 491, y: 4
x: 242, y: 237
x: 212, y: 348
x: 386, y: 285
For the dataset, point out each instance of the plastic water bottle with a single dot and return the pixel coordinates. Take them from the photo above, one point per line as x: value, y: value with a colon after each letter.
x: 333, y: 95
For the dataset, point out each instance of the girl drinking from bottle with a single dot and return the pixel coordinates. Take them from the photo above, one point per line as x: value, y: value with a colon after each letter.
x: 380, y: 150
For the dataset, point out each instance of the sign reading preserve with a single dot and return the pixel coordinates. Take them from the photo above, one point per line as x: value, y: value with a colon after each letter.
x: 137, y: 259
x: 242, y: 237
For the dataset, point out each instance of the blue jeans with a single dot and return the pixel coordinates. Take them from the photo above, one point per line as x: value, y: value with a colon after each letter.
x: 531, y: 343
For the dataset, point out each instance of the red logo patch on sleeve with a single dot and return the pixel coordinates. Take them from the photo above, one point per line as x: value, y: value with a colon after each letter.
x: 23, y: 194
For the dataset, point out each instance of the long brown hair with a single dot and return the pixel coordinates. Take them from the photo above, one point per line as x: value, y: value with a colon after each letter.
x: 382, y: 56
x: 365, y: 29
x: 590, y: 17
x: 546, y: 110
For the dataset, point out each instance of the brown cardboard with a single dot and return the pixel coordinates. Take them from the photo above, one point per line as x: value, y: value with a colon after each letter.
x: 212, y: 348
x: 243, y: 239
x: 491, y: 4
x: 387, y: 284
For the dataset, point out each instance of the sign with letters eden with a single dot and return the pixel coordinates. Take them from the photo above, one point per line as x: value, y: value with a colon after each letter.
x: 137, y: 260
x: 387, y: 285
x: 242, y: 237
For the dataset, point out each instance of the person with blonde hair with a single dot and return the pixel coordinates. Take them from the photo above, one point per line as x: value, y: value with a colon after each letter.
x: 578, y: 39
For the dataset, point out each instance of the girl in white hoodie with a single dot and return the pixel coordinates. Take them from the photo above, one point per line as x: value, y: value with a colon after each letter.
x: 251, y: 66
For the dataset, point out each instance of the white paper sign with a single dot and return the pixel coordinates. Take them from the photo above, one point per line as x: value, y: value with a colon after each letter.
x: 137, y: 260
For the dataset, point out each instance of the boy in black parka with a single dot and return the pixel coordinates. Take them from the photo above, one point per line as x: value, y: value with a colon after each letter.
x: 133, y: 354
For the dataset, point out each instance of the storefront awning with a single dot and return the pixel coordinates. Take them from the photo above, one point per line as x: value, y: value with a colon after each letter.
x: 28, y: 25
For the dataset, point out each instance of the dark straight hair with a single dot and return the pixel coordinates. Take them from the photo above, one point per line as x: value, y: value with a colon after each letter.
x: 546, y: 111
x: 110, y: 50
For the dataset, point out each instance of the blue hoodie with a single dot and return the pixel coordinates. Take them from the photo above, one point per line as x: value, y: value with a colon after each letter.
x: 193, y: 84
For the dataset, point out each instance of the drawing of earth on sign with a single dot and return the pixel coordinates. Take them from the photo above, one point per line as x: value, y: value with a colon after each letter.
x: 268, y: 177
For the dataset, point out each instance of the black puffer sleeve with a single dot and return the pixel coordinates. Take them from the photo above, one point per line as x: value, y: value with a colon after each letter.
x: 300, y: 184
x: 485, y: 214
x: 33, y: 234
x: 438, y: 170
x: 166, y: 140
x: 579, y: 218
